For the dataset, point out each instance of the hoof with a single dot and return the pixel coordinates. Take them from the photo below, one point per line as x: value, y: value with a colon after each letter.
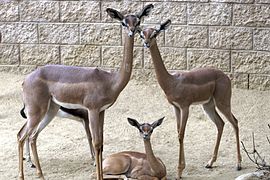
x: 40, y: 175
x: 179, y: 177
x: 238, y: 168
x: 31, y: 165
x: 208, y: 166
x: 93, y: 163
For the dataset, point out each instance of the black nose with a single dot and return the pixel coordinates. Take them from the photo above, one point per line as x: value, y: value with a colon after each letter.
x: 146, y: 45
x: 145, y: 136
x: 132, y: 32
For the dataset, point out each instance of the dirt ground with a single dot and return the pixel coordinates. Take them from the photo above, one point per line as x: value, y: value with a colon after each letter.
x: 64, y: 151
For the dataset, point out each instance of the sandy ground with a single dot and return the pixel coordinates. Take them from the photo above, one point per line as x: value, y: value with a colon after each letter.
x: 64, y: 151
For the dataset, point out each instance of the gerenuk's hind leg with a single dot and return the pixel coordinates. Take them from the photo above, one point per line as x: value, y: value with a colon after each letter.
x: 226, y: 111
x: 210, y: 110
x: 45, y: 121
x: 85, y: 123
x: 21, y: 136
x: 27, y: 152
x: 27, y: 129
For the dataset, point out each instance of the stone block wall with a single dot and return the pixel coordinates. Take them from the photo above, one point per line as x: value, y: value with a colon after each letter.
x: 232, y: 35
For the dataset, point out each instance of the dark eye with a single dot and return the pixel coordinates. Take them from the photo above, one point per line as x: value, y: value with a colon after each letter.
x: 141, y: 36
x: 123, y: 24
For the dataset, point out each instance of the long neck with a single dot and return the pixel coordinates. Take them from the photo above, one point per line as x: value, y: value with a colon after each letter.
x: 163, y: 76
x: 123, y: 75
x: 156, y: 165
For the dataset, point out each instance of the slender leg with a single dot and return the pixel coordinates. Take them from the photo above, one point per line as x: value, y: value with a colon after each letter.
x: 28, y: 128
x: 96, y: 127
x: 82, y: 116
x: 210, y: 110
x: 21, y: 139
x: 35, y: 154
x: 226, y: 111
x: 181, y: 133
x: 101, y: 119
x: 239, y: 157
x: 41, y: 126
x: 20, y: 147
x: 53, y: 108
x: 85, y: 123
x: 27, y: 152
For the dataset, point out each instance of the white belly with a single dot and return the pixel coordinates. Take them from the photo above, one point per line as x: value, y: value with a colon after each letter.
x: 194, y: 103
x: 68, y: 105
x: 201, y: 102
x: 77, y: 106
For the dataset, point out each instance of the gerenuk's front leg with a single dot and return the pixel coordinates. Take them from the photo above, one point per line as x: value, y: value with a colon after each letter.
x: 96, y: 126
x: 181, y: 133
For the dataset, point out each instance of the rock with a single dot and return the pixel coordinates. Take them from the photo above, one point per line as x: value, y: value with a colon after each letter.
x: 262, y: 174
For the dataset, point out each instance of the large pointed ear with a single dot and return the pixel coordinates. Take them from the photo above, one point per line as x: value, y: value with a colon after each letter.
x: 164, y: 25
x: 145, y: 11
x: 114, y: 14
x: 133, y: 122
x: 157, y: 123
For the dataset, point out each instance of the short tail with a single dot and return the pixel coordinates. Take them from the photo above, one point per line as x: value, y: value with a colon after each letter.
x: 22, y: 112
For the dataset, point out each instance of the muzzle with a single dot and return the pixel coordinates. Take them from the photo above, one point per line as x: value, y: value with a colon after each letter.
x: 146, y: 45
x: 145, y: 136
x: 132, y: 32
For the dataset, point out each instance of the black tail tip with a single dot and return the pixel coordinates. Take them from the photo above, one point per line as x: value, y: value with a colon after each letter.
x: 23, y: 114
